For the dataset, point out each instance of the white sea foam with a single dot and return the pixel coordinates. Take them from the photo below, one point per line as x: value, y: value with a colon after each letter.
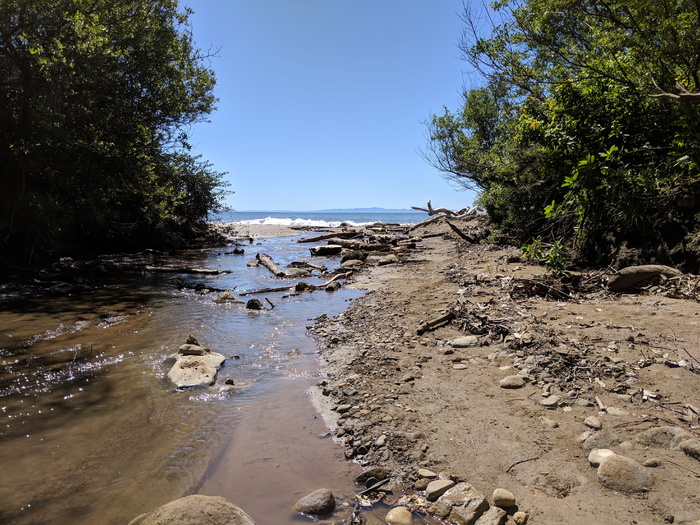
x: 276, y: 221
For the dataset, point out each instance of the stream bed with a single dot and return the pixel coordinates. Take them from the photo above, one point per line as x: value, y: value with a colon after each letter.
x: 91, y: 431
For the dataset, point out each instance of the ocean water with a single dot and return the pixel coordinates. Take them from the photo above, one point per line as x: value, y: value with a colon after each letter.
x: 323, y: 218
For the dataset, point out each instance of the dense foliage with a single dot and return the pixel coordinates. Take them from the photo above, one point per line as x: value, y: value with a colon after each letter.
x: 95, y: 101
x: 585, y: 127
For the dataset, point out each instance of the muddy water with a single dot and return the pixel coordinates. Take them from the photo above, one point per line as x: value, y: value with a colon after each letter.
x: 92, y: 432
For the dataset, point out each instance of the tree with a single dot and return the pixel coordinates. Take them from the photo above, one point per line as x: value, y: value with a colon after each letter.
x: 97, y: 97
x: 600, y: 123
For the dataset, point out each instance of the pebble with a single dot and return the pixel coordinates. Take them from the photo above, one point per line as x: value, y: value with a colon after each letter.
x: 465, y: 342
x: 651, y: 463
x: 549, y: 423
x: 426, y: 473
x: 614, y: 411
x: 437, y: 488
x: 593, y: 422
x: 691, y: 447
x: 503, y: 498
x: 399, y: 516
x: 520, y: 517
x: 597, y: 455
x: 460, y: 366
x: 381, y: 441
x: 624, y: 474
x: 512, y: 382
x: 550, y: 402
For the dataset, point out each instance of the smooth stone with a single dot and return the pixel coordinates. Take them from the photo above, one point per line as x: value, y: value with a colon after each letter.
x: 614, y: 411
x: 549, y: 423
x: 624, y: 474
x: 352, y: 263
x: 512, y: 382
x: 651, y: 463
x: 601, y: 439
x: 399, y: 516
x: 503, y: 498
x: 317, y: 503
x: 294, y: 273
x: 426, y: 473
x: 691, y: 447
x: 664, y: 436
x: 204, y: 510
x: 389, y: 259
x: 378, y: 473
x: 465, y: 341
x: 493, y: 516
x: 381, y: 441
x: 597, y: 455
x: 421, y: 483
x: 460, y: 366
x: 550, y: 402
x: 593, y: 422
x: 437, y: 488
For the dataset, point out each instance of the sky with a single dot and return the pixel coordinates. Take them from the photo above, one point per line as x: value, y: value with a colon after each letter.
x: 322, y: 102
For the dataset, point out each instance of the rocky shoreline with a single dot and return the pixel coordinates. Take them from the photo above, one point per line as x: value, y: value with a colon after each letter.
x: 578, y: 402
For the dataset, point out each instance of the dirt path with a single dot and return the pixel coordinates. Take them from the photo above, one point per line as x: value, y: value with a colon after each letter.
x: 405, y: 401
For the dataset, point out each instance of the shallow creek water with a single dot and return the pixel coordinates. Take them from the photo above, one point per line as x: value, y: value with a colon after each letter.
x: 92, y: 432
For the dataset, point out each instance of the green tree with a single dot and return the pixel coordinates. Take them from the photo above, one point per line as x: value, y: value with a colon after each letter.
x: 596, y: 118
x: 97, y: 98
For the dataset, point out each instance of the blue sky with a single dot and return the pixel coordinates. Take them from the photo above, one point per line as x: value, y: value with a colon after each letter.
x: 321, y: 102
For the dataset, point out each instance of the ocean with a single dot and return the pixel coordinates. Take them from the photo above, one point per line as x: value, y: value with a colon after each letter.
x: 322, y: 218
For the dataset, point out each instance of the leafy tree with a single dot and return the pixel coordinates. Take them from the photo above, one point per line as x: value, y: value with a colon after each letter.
x: 96, y: 99
x: 587, y: 122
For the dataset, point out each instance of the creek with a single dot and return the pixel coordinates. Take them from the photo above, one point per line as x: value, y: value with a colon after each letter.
x: 91, y: 431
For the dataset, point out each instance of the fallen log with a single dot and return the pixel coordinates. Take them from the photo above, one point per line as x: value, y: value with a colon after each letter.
x: 459, y: 232
x: 355, y: 245
x: 341, y: 235
x: 310, y: 287
x: 331, y: 249
x: 185, y: 269
x: 432, y: 324
x: 267, y: 262
x: 633, y: 275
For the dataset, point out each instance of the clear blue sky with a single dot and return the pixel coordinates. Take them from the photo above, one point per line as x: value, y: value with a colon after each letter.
x: 321, y: 102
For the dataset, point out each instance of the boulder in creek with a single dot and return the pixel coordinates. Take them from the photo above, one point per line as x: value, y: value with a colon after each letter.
x: 329, y: 249
x: 227, y: 297
x: 254, y: 304
x: 624, y: 474
x: 195, y: 366
x: 202, y: 510
x: 293, y: 273
x: 317, y: 503
x: 633, y: 275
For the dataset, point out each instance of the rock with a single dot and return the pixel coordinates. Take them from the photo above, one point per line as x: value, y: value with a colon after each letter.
x: 512, y: 382
x: 317, y: 503
x: 467, y: 503
x: 422, y: 483
x: 254, y: 304
x: 460, y: 366
x: 399, y: 516
x: 691, y: 447
x: 426, y: 473
x: 437, y: 488
x: 633, y: 275
x: 665, y: 436
x: 352, y: 263
x: 329, y: 249
x: 465, y: 341
x: 651, y: 463
x: 624, y: 474
x: 503, y: 498
x: 593, y: 422
x: 226, y: 297
x: 293, y: 273
x: 493, y: 516
x: 615, y: 411
x: 192, y: 349
x: 597, y: 455
x: 333, y: 287
x: 550, y: 402
x: 520, y: 518
x: 549, y: 423
x: 389, y: 259
x: 601, y: 440
x: 195, y: 370
x: 376, y: 473
x: 202, y: 510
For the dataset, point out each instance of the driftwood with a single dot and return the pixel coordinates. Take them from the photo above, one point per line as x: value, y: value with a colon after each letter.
x: 459, y: 232
x: 342, y: 235
x: 267, y: 262
x: 331, y: 249
x: 355, y: 245
x: 435, y: 323
x: 185, y: 269
x: 310, y: 287
x: 431, y: 211
x: 304, y: 264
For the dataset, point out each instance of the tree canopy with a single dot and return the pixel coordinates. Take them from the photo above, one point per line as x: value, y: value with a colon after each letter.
x: 585, y: 124
x: 96, y: 101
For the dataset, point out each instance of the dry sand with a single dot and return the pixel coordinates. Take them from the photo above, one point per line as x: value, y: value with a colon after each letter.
x: 413, y: 401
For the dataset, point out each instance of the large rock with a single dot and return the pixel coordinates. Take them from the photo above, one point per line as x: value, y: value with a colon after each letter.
x: 503, y: 498
x: 664, y: 436
x: 202, y: 510
x: 691, y: 447
x: 493, y: 516
x: 317, y: 503
x: 634, y: 275
x: 330, y: 249
x: 601, y: 440
x: 227, y: 297
x: 597, y: 455
x: 195, y: 366
x: 465, y: 341
x: 467, y: 504
x: 437, y: 488
x: 512, y: 382
x: 624, y: 474
x: 399, y: 516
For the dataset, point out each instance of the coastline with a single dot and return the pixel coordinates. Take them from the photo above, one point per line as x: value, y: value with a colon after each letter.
x: 404, y: 402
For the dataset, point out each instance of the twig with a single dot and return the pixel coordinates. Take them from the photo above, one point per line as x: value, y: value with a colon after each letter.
x: 681, y: 466
x: 521, y: 461
x: 374, y: 487
x: 434, y: 323
x: 270, y: 303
